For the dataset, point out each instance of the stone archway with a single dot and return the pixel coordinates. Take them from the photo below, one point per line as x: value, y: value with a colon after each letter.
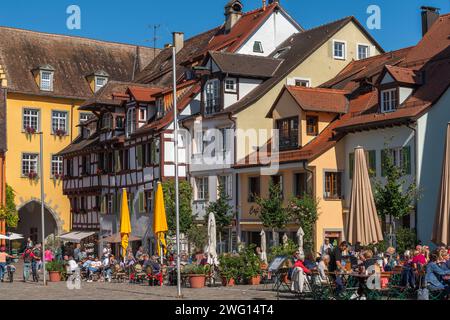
x: 30, y: 224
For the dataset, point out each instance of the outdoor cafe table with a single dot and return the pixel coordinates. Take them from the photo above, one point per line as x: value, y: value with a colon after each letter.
x: 356, y: 283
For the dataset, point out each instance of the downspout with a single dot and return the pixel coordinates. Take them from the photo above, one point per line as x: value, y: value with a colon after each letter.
x: 414, y: 129
x: 72, y: 107
x: 236, y: 195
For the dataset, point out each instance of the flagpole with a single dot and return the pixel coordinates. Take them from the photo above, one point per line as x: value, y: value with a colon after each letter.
x: 177, y: 204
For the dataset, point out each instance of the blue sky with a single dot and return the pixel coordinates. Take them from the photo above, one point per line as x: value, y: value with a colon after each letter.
x: 130, y: 21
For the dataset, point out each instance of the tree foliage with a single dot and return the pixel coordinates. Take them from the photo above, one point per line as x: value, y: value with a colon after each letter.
x: 185, y: 198
x: 305, y: 212
x: 9, y: 211
x: 271, y: 211
x: 222, y: 210
x: 198, y: 236
x: 390, y: 198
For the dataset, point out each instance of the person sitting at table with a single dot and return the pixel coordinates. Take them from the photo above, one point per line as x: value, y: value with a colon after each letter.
x: 323, y: 268
x: 299, y: 262
x: 418, y: 259
x: 309, y: 261
x: 140, y: 255
x: 434, y: 274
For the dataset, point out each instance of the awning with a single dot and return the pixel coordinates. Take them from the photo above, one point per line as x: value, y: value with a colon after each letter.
x: 75, y: 237
x: 116, y: 238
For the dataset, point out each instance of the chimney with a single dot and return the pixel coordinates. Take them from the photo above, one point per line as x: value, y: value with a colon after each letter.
x: 429, y: 17
x: 178, y: 40
x: 233, y: 12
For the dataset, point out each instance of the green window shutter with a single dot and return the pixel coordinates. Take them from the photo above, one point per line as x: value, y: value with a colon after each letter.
x: 383, y: 161
x: 406, y: 157
x: 118, y: 164
x: 139, y: 156
x: 372, y: 163
x: 103, y: 205
x: 351, y: 164
x: 141, y: 202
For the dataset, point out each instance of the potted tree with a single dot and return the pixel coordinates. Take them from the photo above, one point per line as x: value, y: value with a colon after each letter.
x: 196, y: 275
x: 251, y: 265
x: 229, y: 269
x: 55, y: 270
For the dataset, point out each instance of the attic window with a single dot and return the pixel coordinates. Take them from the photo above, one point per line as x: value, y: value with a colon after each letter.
x: 339, y: 50
x: 46, y: 83
x: 100, y: 82
x: 389, y: 100
x: 257, y: 47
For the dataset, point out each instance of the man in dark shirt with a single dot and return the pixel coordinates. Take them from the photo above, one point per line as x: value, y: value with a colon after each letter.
x: 336, y: 264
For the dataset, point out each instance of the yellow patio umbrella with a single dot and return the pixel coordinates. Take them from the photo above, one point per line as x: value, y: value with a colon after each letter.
x: 125, y: 224
x: 160, y: 220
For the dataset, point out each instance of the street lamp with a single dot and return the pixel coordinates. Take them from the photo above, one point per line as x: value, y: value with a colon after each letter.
x: 41, y: 169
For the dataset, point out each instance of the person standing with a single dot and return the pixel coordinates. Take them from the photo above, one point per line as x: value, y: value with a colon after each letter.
x: 27, y: 260
x: 3, y: 257
x: 76, y: 252
x: 326, y: 247
x: 35, y: 262
x: 336, y: 265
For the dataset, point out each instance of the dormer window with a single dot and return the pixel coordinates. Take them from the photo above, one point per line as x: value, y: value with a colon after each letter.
x: 212, y: 96
x: 100, y: 82
x: 258, y: 47
x: 131, y: 121
x: 230, y: 85
x: 388, y: 100
x: 159, y: 108
x: 46, y: 77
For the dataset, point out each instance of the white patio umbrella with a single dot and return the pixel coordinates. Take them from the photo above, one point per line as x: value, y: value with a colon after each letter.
x: 263, y: 247
x: 300, y: 235
x: 3, y: 237
x: 212, y: 241
x: 15, y: 236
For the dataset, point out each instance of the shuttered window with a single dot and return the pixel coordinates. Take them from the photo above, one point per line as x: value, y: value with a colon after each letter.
x: 401, y: 157
x: 371, y: 159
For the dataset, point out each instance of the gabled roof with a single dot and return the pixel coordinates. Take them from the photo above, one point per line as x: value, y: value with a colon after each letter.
x: 72, y: 58
x: 195, y: 49
x: 404, y: 75
x: 297, y: 49
x: 104, y: 96
x: 143, y: 94
x: 349, y: 77
x: 245, y: 65
x: 315, y: 99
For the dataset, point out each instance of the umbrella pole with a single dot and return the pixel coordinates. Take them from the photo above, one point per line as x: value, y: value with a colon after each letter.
x: 177, y: 204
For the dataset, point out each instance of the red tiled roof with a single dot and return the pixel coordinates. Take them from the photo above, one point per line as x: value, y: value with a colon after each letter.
x: 431, y: 57
x: 404, y: 75
x: 143, y: 94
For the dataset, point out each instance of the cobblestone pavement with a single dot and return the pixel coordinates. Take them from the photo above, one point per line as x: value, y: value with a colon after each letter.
x: 18, y: 290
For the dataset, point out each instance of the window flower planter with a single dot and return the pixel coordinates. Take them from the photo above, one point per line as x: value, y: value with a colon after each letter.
x: 60, y: 132
x: 32, y: 175
x: 30, y: 130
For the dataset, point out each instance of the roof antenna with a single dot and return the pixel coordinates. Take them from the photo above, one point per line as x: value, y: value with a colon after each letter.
x: 155, y: 37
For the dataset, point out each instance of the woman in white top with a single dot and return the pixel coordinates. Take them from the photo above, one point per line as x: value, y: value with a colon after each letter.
x: 323, y: 267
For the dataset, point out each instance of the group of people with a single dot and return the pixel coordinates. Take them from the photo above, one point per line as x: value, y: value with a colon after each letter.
x: 347, y: 258
x: 102, y: 268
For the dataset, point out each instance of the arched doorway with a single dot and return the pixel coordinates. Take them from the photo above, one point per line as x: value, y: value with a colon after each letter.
x: 30, y: 225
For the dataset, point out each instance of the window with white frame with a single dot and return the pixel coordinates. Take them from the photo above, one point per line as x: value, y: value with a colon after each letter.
x: 388, y: 100
x: 100, y: 82
x: 131, y: 121
x: 258, y: 47
x: 46, y: 80
x: 227, y: 182
x: 84, y: 116
x: 339, y: 49
x: 363, y: 51
x: 31, y: 120
x: 59, y: 122
x: 230, y: 85
x: 201, y: 185
x: 212, y: 96
x: 302, y: 83
x: 57, y: 166
x: 142, y: 114
x: 30, y: 163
